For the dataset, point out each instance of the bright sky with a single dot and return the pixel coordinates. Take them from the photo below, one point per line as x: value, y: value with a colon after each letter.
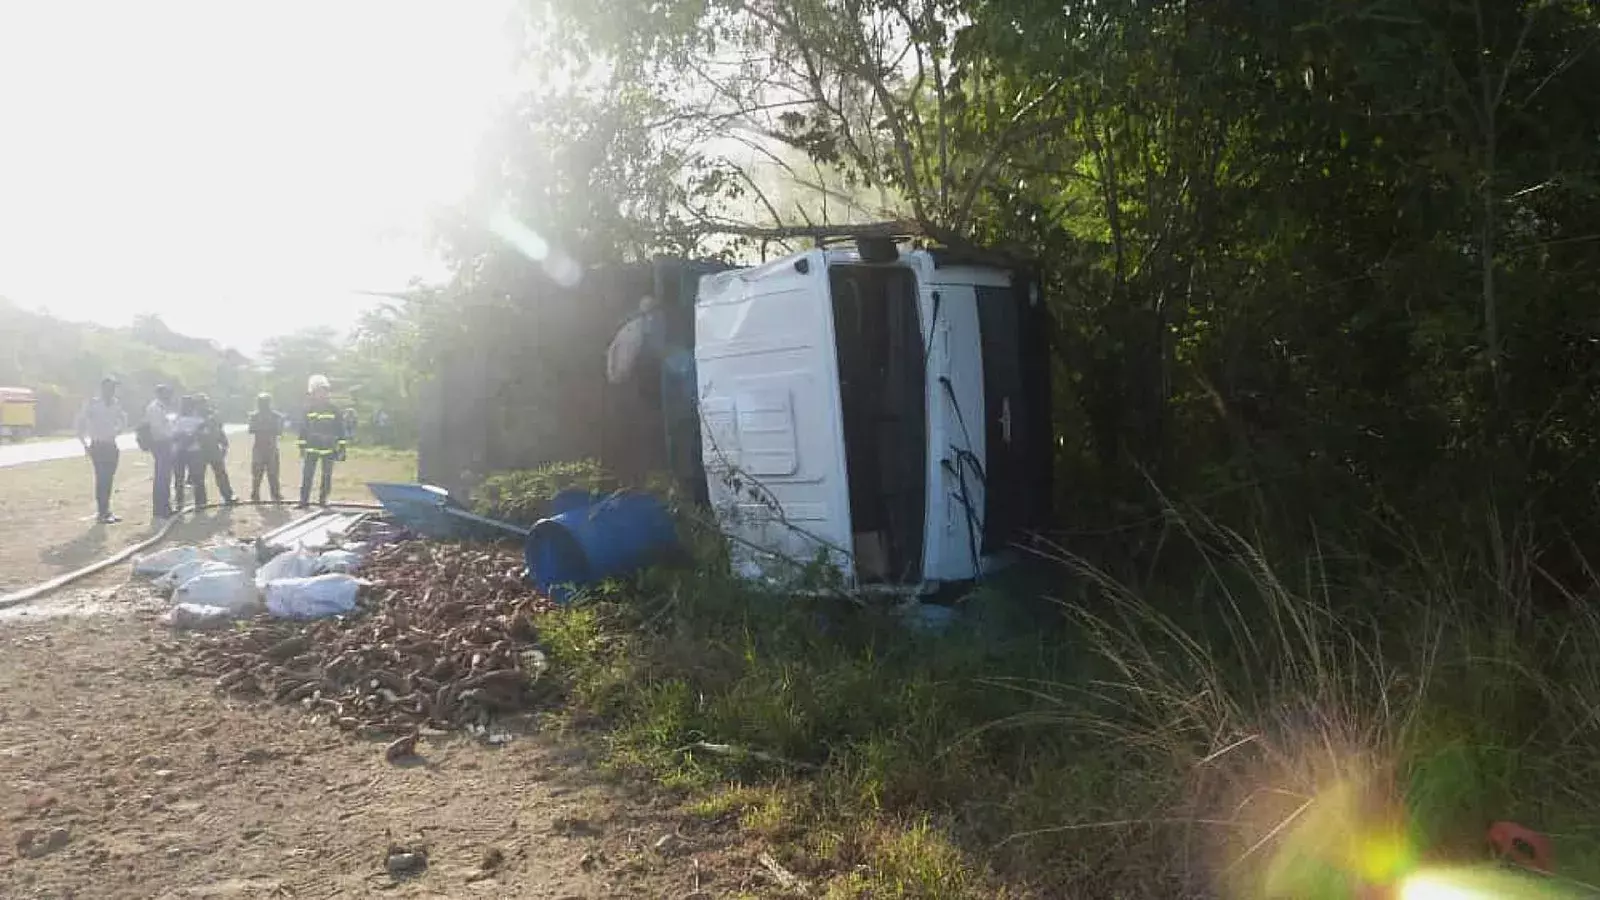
x: 238, y: 168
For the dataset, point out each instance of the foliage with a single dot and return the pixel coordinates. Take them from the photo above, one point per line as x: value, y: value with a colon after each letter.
x: 522, y: 497
x: 1223, y: 202
x: 377, y: 368
x: 1232, y: 739
x: 64, y: 362
x: 292, y: 359
x: 1323, y: 271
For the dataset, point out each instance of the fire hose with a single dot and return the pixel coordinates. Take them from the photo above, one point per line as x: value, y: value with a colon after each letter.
x: 45, y: 588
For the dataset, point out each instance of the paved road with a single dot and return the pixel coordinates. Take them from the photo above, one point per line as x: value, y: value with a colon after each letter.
x: 43, y: 451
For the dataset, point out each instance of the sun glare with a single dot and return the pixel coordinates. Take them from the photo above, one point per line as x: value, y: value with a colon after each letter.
x: 169, y: 155
x: 1485, y: 883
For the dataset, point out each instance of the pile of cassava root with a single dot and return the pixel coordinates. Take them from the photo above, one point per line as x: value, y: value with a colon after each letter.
x: 444, y: 638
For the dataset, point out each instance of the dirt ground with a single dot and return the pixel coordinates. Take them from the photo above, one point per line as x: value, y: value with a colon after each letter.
x: 47, y: 521
x: 126, y: 776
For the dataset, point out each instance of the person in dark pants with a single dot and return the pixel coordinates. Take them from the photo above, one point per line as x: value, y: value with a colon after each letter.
x: 322, y: 439
x: 211, y: 452
x: 186, y: 468
x: 266, y: 425
x: 156, y: 436
x: 99, y: 424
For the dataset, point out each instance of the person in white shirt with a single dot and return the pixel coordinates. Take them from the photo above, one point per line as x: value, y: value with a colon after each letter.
x: 157, y: 438
x: 187, y: 468
x: 99, y: 423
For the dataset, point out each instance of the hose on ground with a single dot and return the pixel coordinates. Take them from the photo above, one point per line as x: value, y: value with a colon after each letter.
x: 44, y: 588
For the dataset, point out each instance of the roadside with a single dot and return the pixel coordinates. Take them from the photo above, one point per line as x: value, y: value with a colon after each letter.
x: 42, y: 448
x: 132, y: 776
x: 128, y: 780
x: 48, y: 527
x: 808, y: 744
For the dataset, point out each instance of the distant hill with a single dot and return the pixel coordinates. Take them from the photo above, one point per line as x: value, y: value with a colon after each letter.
x: 64, y: 362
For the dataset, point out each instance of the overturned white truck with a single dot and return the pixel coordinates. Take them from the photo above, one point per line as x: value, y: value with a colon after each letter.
x: 885, y: 411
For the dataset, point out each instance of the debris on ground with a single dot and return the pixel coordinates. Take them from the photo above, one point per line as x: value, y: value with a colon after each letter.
x: 401, y: 749
x: 404, y: 862
x: 198, y: 617
x: 32, y: 844
x: 441, y: 638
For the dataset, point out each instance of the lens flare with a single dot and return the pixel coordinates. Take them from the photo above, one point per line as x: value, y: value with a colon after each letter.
x: 1433, y: 887
x: 561, y: 268
x: 1487, y: 882
x: 524, y: 239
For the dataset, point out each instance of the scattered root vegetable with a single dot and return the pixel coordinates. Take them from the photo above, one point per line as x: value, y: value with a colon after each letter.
x: 445, y: 637
x: 401, y: 749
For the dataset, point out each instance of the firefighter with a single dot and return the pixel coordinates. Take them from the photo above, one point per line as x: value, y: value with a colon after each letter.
x: 322, y: 439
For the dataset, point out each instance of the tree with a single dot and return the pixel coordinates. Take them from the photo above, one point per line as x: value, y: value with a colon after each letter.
x: 290, y: 361
x: 1346, y: 248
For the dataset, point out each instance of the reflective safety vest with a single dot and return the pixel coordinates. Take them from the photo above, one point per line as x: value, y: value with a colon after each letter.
x: 322, y: 432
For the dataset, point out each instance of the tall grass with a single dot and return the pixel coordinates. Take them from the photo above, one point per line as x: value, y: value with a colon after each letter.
x: 1277, y: 723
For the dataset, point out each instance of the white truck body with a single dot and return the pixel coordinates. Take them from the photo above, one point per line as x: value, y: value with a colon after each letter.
x: 780, y: 423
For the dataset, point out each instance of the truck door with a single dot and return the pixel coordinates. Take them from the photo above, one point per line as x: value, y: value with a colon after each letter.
x: 772, y: 434
x: 956, y: 434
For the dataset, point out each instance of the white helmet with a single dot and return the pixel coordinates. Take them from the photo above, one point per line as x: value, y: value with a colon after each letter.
x: 317, y: 383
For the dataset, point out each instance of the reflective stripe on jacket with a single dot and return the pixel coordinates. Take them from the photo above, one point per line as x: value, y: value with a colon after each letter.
x: 322, y: 432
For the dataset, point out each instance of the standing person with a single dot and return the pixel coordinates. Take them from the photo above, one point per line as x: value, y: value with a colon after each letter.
x: 156, y: 436
x: 99, y: 423
x: 211, y: 446
x: 186, y: 469
x: 322, y: 439
x: 266, y: 425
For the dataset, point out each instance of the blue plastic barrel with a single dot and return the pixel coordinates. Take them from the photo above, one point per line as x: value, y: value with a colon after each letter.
x: 585, y: 544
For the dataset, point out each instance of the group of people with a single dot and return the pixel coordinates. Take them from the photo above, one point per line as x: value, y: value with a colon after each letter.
x: 187, y: 440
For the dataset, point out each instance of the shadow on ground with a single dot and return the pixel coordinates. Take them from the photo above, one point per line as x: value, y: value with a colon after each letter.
x: 80, y: 551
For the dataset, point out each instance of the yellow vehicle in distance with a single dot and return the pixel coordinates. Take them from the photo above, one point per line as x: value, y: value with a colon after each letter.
x: 17, y: 413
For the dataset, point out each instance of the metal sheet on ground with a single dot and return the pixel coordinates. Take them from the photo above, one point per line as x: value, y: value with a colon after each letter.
x: 311, y: 532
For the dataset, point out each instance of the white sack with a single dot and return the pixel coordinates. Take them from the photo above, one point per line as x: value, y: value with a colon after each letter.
x: 337, y: 561
x: 234, y: 554
x: 198, y: 618
x: 163, y: 561
x: 184, y: 571
x: 232, y: 590
x: 296, y: 563
x: 312, y: 598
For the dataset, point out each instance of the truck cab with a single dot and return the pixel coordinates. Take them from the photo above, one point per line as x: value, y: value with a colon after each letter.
x: 885, y: 413
x: 18, y: 413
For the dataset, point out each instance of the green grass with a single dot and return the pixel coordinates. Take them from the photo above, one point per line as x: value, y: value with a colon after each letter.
x: 1272, y: 725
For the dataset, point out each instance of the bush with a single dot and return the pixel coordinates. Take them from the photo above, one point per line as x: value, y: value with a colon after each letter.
x: 522, y: 496
x: 1240, y: 733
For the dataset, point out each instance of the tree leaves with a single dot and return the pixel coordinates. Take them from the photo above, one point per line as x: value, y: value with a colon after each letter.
x: 1283, y: 202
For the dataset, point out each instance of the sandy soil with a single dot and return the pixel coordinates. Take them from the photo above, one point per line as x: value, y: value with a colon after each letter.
x: 125, y: 776
x: 128, y: 779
